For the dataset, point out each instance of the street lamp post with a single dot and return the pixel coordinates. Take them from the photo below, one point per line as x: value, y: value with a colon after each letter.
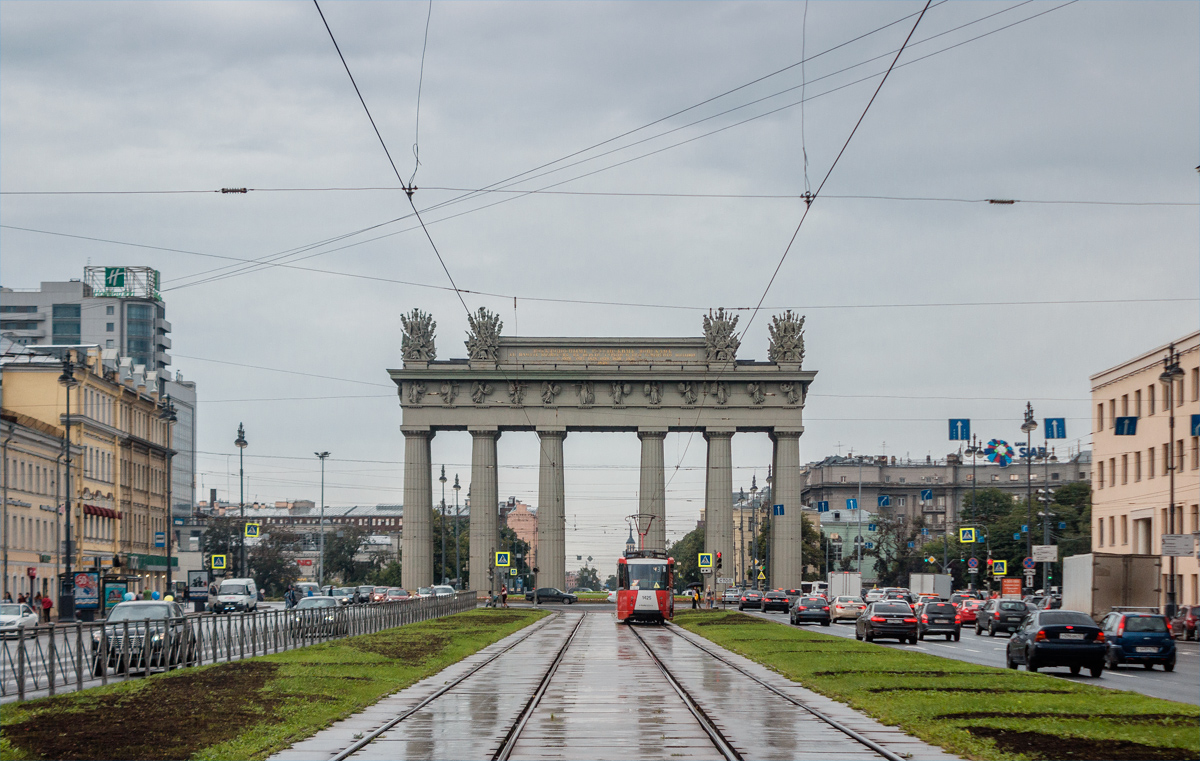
x: 859, y: 543
x: 240, y: 442
x: 1171, y: 372
x: 1048, y: 457
x: 321, y: 539
x: 66, y: 594
x: 1028, y: 427
x: 443, y: 480
x: 457, y: 546
x: 167, y: 415
x: 753, y: 514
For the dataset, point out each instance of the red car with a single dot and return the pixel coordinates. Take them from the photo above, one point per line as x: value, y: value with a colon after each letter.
x: 380, y: 594
x: 1183, y: 625
x: 396, y: 593
x: 968, y: 609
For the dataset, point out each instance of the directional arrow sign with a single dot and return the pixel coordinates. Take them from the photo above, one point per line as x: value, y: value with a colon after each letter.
x: 960, y: 429
x: 1126, y: 426
x: 910, y: 545
x: 870, y: 527
x: 924, y: 532
x: 777, y: 509
x: 870, y: 545
x: 822, y: 506
x: 927, y: 495
x: 884, y: 500
x: 852, y: 504
x: 1196, y: 425
x: 1056, y: 428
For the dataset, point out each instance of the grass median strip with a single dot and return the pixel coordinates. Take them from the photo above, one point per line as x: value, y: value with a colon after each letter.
x: 247, y: 709
x: 975, y: 711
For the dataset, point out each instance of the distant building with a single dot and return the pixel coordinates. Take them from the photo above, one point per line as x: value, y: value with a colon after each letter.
x: 523, y: 520
x: 1131, y: 492
x: 118, y: 308
x: 183, y: 441
x: 846, y: 530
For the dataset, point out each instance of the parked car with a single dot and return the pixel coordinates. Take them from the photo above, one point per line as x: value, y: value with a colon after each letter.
x: 15, y: 616
x: 750, y: 599
x: 846, y: 606
x: 1135, y: 638
x: 395, y: 594
x: 810, y: 610
x: 887, y: 618
x: 318, y: 617
x: 968, y: 610
x: 937, y: 617
x: 379, y: 594
x: 731, y: 595
x: 775, y: 600
x: 362, y: 594
x: 1057, y: 638
x: 612, y: 596
x: 1000, y: 615
x: 550, y: 594
x: 159, y: 636
x: 239, y: 595
x: 1184, y: 623
x: 445, y: 590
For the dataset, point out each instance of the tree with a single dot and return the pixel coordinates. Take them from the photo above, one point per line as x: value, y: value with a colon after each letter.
x: 685, y: 552
x: 611, y: 582
x: 341, y: 547
x: 588, y: 577
x: 223, y: 536
x: 810, y: 545
x: 273, y: 562
x: 388, y: 575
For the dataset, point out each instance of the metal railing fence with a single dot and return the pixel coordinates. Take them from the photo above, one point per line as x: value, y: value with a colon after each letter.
x: 67, y: 657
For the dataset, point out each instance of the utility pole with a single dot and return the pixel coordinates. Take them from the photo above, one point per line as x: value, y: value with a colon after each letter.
x: 240, y: 442
x: 443, y: 480
x: 66, y: 602
x: 1028, y: 427
x: 321, y: 540
x: 457, y: 546
x: 1171, y: 372
x: 167, y: 414
x: 7, y: 440
x: 859, y: 543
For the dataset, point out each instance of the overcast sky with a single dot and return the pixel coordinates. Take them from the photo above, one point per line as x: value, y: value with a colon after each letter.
x: 1087, y: 102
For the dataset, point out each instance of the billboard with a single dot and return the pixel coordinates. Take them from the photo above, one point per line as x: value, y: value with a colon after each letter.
x: 198, y: 585
x: 87, y: 590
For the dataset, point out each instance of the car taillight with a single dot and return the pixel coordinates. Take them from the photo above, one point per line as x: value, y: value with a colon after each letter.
x: 1099, y: 636
x: 1121, y: 627
x: 878, y: 619
x: 910, y: 620
x: 1170, y: 630
x: 925, y: 618
x: 1041, y: 637
x: 826, y: 607
x: 958, y: 618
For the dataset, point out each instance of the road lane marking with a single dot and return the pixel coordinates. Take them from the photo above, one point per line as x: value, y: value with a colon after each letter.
x: 969, y: 650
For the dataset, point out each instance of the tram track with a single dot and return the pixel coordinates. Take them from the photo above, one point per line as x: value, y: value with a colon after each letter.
x: 857, y: 737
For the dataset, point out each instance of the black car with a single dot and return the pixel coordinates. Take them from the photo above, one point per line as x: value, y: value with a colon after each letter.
x: 1057, y: 638
x: 363, y: 593
x: 810, y: 610
x: 318, y: 616
x: 893, y: 619
x: 750, y: 599
x: 939, y: 618
x: 1000, y: 616
x: 159, y: 637
x: 550, y: 594
x: 775, y: 601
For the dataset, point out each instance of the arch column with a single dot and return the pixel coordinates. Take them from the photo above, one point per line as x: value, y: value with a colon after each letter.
x: 652, y: 492
x: 485, y: 500
x: 718, y: 504
x: 552, y: 516
x: 787, y: 556
x: 416, y: 564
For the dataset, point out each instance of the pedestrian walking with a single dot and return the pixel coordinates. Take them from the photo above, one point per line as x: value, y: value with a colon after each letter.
x: 36, y: 604
x: 47, y: 604
x: 289, y: 597
x: 8, y: 597
x: 504, y: 596
x: 708, y: 598
x: 21, y: 598
x: 695, y: 595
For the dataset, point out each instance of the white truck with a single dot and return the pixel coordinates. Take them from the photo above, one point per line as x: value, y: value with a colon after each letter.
x: 939, y: 584
x: 1097, y: 582
x: 845, y: 583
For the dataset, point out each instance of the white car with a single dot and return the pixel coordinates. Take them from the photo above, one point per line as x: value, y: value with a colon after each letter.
x: 15, y: 616
x: 612, y: 596
x: 846, y: 606
x: 443, y: 590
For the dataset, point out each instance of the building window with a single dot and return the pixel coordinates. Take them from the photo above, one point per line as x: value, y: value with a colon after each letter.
x: 1124, y: 469
x: 1137, y: 403
x: 1196, y: 384
x: 17, y: 309
x: 886, y: 479
x: 843, y: 479
x: 1150, y: 462
x: 902, y: 479
x: 1195, y: 452
x: 1112, y: 471
x: 1195, y: 519
x: 1099, y: 417
x: 1112, y: 413
x: 1124, y: 529
x: 1137, y: 466
x: 1100, y: 474
x: 901, y: 501
x: 1150, y: 398
x: 108, y: 309
x: 995, y: 478
x: 1100, y: 533
x: 1012, y: 476
x: 108, y: 343
x: 1053, y: 476
x: 1125, y: 405
x: 108, y: 327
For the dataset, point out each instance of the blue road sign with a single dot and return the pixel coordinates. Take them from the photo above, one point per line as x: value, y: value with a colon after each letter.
x: 973, y: 563
x: 1024, y: 528
x: 822, y: 506
x: 1016, y: 537
x: 910, y: 545
x: 1196, y: 425
x: 924, y: 532
x: 1056, y: 428
x: 1126, y: 426
x: 966, y: 535
x: 1028, y: 564
x: 960, y: 429
x: 852, y: 504
x: 870, y: 527
x: 777, y: 510
x: 870, y: 545
x: 160, y: 539
x: 927, y: 495
x: 884, y: 500
x: 1062, y: 525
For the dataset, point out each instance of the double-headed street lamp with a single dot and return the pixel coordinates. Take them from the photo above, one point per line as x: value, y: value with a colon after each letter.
x: 457, y: 555
x: 166, y: 413
x: 443, y: 480
x: 1028, y: 427
x: 240, y: 442
x: 1171, y: 373
x: 321, y: 550
x: 66, y: 592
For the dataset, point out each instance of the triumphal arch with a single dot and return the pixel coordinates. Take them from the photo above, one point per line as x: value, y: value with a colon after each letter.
x: 554, y: 386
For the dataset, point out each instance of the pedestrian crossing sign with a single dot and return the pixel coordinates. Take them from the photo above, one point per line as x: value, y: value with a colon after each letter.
x: 218, y: 562
x: 502, y: 560
x: 252, y: 530
x: 762, y: 576
x: 705, y: 559
x: 999, y: 567
x: 966, y: 535
x: 512, y: 571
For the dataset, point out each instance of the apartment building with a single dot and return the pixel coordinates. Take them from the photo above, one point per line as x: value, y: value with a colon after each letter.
x: 1134, y: 464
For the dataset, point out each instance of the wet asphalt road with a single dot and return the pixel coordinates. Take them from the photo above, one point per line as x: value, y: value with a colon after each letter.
x: 1180, y: 685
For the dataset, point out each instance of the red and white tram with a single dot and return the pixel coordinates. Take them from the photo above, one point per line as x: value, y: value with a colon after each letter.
x: 645, y: 586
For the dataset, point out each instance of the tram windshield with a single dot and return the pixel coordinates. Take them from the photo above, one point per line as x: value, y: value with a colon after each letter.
x: 644, y: 576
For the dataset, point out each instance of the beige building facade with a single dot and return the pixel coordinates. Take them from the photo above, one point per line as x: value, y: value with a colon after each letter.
x: 1131, y: 495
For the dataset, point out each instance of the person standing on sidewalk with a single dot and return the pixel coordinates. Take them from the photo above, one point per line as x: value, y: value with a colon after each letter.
x: 47, y: 604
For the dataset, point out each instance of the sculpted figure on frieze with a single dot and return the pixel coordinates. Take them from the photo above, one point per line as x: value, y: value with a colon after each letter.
x: 480, y: 391
x: 550, y: 389
x: 416, y: 391
x: 483, y: 341
x: 516, y: 391
x: 720, y: 390
x: 619, y: 391
x: 448, y: 391
x: 756, y: 391
x: 791, y: 392
x: 787, y: 338
x: 653, y: 392
x: 587, y: 393
x: 417, y: 343
x: 687, y: 389
x: 720, y: 341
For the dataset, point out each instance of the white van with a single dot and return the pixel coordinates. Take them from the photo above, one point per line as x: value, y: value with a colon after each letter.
x: 236, y: 595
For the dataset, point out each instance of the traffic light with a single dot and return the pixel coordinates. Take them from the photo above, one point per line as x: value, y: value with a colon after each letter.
x: 718, y: 561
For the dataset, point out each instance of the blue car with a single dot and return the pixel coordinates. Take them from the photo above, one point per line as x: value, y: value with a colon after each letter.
x: 1135, y: 638
x: 1048, y: 638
